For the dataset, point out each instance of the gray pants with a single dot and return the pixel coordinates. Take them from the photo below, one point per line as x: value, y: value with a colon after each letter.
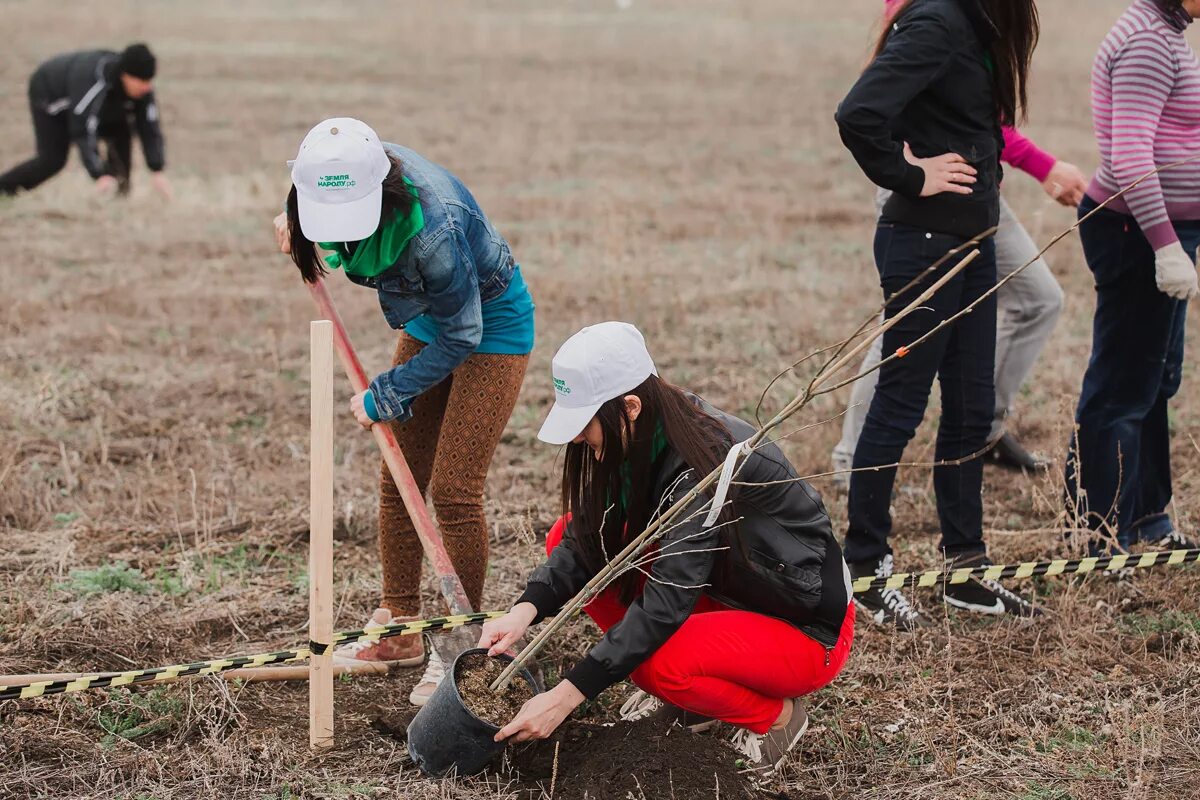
x: 1029, y: 306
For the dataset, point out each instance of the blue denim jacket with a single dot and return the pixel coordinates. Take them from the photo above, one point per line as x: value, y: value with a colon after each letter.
x: 453, y: 266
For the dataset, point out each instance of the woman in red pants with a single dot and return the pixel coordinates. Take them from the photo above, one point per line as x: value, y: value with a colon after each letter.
x: 730, y: 621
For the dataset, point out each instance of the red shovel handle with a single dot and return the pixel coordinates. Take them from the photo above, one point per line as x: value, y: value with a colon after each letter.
x: 414, y: 501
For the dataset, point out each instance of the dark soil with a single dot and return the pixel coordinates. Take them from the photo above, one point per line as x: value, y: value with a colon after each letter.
x: 474, y: 676
x: 643, y: 759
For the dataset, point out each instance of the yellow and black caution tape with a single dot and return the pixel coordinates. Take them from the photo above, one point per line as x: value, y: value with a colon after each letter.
x: 1027, y: 569
x: 372, y: 633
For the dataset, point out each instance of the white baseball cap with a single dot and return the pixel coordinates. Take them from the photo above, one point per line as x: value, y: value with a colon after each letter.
x: 338, y: 175
x: 592, y: 367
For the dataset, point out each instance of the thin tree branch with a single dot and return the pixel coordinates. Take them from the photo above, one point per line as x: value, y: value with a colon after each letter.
x: 815, y: 388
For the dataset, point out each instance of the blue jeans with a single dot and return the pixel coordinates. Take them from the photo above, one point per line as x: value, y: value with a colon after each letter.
x: 1118, y: 472
x: 962, y: 357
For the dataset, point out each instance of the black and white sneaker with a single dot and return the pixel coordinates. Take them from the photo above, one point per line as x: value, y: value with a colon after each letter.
x: 986, y: 596
x: 1176, y: 541
x: 887, y: 607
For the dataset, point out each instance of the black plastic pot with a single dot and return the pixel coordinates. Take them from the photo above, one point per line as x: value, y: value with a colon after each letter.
x: 445, y: 737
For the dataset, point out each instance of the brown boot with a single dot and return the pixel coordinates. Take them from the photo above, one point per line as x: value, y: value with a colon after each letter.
x: 398, y: 651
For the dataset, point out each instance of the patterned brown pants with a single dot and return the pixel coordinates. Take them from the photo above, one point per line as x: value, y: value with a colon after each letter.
x: 448, y: 443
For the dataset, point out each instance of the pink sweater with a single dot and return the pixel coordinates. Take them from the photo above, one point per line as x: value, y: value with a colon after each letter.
x: 1146, y: 112
x: 1019, y: 150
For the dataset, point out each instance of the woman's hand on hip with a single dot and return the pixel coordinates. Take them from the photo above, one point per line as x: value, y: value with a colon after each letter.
x: 282, y: 235
x: 948, y: 172
x: 500, y: 634
x: 1065, y: 183
x: 360, y: 411
x: 542, y: 714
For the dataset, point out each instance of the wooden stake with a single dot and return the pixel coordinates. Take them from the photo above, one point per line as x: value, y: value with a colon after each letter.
x: 320, y: 544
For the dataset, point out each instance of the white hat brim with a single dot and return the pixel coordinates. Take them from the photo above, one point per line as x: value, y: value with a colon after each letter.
x: 563, y: 424
x: 340, y: 222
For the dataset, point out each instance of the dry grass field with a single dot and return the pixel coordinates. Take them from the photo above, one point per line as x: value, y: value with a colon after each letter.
x: 673, y: 164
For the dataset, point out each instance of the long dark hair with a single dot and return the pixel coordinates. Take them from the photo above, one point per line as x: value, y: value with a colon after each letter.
x: 397, y: 199
x: 1012, y: 53
x: 591, y: 486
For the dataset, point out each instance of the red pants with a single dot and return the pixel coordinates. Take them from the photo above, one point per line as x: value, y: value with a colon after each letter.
x: 736, y: 666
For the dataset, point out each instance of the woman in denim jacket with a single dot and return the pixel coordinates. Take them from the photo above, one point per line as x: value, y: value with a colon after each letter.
x: 397, y: 223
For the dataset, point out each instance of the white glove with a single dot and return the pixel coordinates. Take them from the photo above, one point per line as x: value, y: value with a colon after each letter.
x: 1174, y: 272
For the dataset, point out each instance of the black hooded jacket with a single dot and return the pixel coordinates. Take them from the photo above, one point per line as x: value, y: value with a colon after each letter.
x: 781, y: 560
x: 932, y: 87
x: 85, y: 87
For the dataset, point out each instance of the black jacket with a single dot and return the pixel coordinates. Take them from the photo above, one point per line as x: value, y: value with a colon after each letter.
x: 780, y: 560
x: 85, y: 88
x: 932, y: 87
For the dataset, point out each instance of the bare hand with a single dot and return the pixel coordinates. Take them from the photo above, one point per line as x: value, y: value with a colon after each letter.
x: 1065, y: 183
x: 359, y: 410
x: 499, y: 635
x: 542, y: 714
x: 162, y: 185
x: 283, y: 236
x: 106, y: 184
x: 948, y: 172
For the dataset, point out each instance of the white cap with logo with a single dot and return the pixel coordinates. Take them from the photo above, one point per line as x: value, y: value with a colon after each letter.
x: 597, y: 364
x: 338, y: 175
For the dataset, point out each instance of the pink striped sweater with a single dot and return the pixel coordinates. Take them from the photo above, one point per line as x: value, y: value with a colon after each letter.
x: 1019, y: 150
x: 1146, y: 112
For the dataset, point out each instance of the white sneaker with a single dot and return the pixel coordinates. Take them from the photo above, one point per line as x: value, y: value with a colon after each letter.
x: 639, y: 705
x: 766, y: 751
x: 435, y: 671
x: 642, y: 705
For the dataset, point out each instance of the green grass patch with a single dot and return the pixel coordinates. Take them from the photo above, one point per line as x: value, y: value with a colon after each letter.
x: 1039, y: 791
x: 250, y: 422
x: 1172, y: 620
x: 115, y: 577
x: 134, y: 716
x: 1070, y: 738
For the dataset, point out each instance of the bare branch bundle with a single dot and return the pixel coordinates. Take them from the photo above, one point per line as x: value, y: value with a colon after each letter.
x: 665, y: 520
x: 838, y: 361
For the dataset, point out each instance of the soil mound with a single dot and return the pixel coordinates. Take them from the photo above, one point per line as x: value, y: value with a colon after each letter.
x: 639, y: 760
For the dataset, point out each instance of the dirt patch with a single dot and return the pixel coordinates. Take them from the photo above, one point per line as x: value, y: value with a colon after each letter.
x: 474, y: 677
x: 644, y: 759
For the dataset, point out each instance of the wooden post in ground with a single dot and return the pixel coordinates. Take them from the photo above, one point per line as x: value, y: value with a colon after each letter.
x: 320, y: 541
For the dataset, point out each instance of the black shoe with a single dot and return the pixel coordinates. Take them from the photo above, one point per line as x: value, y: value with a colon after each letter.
x: 887, y: 607
x: 1010, y: 454
x: 985, y: 596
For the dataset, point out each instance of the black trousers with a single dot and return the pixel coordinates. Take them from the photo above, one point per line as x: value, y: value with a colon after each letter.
x: 53, y: 142
x: 1118, y: 469
x: 961, y: 356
